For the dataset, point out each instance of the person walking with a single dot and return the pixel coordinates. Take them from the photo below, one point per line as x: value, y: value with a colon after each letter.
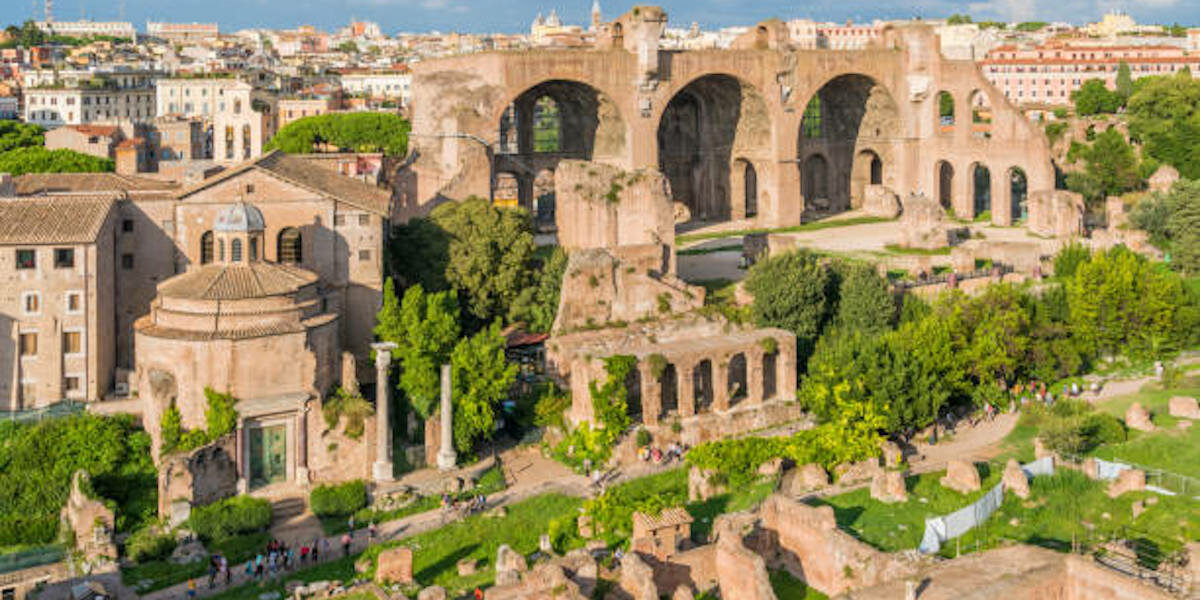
x: 371, y: 531
x: 346, y: 539
x: 316, y: 554
x: 191, y: 587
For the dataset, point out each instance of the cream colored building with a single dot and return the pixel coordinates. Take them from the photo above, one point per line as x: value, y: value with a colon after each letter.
x: 228, y: 106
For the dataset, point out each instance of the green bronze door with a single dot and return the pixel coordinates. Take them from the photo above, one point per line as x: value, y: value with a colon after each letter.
x: 268, y: 455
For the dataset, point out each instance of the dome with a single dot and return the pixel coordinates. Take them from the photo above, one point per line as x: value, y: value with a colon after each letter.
x: 240, y: 217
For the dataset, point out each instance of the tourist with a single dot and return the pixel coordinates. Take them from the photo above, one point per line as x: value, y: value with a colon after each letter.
x: 225, y: 570
x: 258, y: 566
x: 346, y: 539
x: 303, y: 554
x: 351, y: 523
x: 325, y: 547
x: 212, y: 572
x: 478, y: 594
x: 371, y: 531
x: 250, y: 568
x: 191, y: 587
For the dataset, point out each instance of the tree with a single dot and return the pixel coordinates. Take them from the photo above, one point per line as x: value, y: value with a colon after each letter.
x: 1124, y: 82
x: 793, y: 291
x: 14, y: 134
x: 348, y: 46
x: 537, y: 305
x: 356, y: 132
x: 1164, y: 113
x: 1111, y: 168
x: 957, y: 19
x: 1173, y: 222
x: 1031, y: 26
x: 865, y: 303
x: 1094, y: 98
x: 36, y: 159
x: 425, y: 328
x: 482, y: 378
x: 490, y: 253
x: 990, y: 331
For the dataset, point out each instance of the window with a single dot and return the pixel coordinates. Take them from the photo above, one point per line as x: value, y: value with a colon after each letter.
x: 364, y: 220
x: 64, y: 258
x: 206, y: 247
x: 26, y: 259
x: 72, y: 342
x: 364, y: 255
x: 126, y: 261
x: 127, y: 225
x: 74, y: 302
x: 29, y: 343
x: 71, y: 383
x: 339, y: 220
x: 235, y: 251
x: 249, y: 188
x: 253, y: 248
x: 31, y: 302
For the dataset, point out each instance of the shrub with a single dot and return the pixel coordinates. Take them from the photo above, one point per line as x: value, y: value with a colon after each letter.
x: 1102, y: 428
x: 1067, y: 261
x: 171, y: 427
x: 643, y: 438
x: 352, y: 406
x: 338, y: 500
x: 220, y: 415
x: 149, y: 543
x: 550, y: 407
x: 226, y: 518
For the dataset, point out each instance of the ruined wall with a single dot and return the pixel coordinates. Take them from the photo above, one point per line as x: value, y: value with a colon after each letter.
x: 195, y: 478
x: 741, y: 572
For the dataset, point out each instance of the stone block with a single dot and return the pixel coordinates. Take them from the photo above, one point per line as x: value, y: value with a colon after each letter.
x: 1015, y: 480
x: 771, y: 468
x: 467, y: 566
x: 637, y: 578
x: 888, y: 487
x: 433, y: 592
x: 395, y: 566
x: 1057, y: 213
x: 851, y: 473
x: 805, y: 479
x: 584, y: 524
x: 1138, y: 508
x: 961, y: 476
x: 544, y: 544
x: 892, y: 454
x: 1184, y: 408
x: 1137, y: 417
x: 879, y: 201
x: 508, y: 559
x: 1130, y: 480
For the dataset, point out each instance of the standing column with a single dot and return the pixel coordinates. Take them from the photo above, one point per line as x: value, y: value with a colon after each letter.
x: 720, y: 384
x: 382, y: 469
x: 239, y: 450
x: 302, y: 445
x: 785, y: 362
x: 754, y: 375
x: 446, y: 458
x: 685, y: 377
x: 651, y: 394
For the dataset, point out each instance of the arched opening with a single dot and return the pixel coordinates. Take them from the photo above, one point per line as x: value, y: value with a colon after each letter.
x: 1018, y: 190
x: 760, y: 37
x: 945, y: 108
x: 702, y: 386
x: 981, y: 115
x: 814, y: 179
x: 235, y: 251
x: 747, y: 196
x: 850, y: 122
x: 737, y: 379
x: 253, y: 248
x: 769, y: 375
x: 670, y: 391
x: 290, y: 247
x: 945, y: 178
x: 206, y: 247
x: 633, y: 394
x: 550, y: 122
x: 707, y: 123
x: 543, y: 198
x: 618, y: 35
x: 982, y: 185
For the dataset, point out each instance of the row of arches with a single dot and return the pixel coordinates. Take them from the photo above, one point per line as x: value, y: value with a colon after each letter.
x: 289, y: 248
x: 670, y: 394
x: 1015, y: 186
x: 980, y: 110
x: 713, y: 137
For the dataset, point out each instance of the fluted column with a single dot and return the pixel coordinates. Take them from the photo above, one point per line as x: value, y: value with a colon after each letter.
x: 446, y: 458
x: 382, y: 469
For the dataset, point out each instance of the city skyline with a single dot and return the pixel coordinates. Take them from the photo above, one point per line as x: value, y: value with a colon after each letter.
x: 471, y: 16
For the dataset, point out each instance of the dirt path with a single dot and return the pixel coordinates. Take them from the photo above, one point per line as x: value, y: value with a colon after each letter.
x: 977, y: 444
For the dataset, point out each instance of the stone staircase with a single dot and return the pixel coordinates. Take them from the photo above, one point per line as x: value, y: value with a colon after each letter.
x: 286, y: 509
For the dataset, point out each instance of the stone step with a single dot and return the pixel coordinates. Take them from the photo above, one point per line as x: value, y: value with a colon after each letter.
x: 287, y: 508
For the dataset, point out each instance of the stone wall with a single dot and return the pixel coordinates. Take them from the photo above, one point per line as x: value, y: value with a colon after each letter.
x: 195, y: 478
x: 741, y: 572
x: 91, y: 521
x: 1057, y: 213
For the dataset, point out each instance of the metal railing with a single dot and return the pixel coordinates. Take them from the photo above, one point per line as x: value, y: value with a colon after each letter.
x: 34, y: 557
x: 58, y: 409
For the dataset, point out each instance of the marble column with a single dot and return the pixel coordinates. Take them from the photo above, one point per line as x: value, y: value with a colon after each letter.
x: 382, y: 469
x: 686, y: 388
x: 651, y: 394
x: 446, y: 458
x: 240, y: 452
x: 302, y: 446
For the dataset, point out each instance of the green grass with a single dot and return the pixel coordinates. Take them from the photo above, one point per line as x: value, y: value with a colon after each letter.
x: 159, y: 574
x: 341, y: 569
x: 895, y: 527
x: 898, y: 249
x: 814, y: 226
x: 436, y: 553
x: 1168, y: 448
x: 710, y: 250
x: 789, y: 588
x: 1067, y: 507
x: 490, y: 482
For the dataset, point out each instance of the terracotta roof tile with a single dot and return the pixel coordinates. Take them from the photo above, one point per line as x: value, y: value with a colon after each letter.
x: 32, y: 184
x: 53, y: 219
x: 669, y: 517
x: 237, y: 281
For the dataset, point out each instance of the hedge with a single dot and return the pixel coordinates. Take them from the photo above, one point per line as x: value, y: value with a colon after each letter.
x: 338, y: 500
x: 230, y: 517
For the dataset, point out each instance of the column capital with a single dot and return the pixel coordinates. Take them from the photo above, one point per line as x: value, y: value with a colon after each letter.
x: 383, y: 354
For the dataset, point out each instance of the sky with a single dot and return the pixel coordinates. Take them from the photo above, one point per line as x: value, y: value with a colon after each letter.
x: 515, y: 15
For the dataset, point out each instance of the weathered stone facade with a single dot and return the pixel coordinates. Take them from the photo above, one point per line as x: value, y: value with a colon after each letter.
x: 92, y: 523
x: 195, y: 478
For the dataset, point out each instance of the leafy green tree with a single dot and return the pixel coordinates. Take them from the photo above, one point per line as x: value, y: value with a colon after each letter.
x: 1124, y: 82
x: 35, y: 159
x: 425, y: 328
x: 990, y: 331
x: 1183, y: 226
x: 1095, y: 98
x: 420, y: 253
x: 538, y: 305
x: 490, y: 254
x: 14, y: 134
x: 865, y: 302
x: 348, y: 47
x: 1031, y: 26
x: 356, y: 132
x: 957, y: 19
x: 220, y: 415
x: 1164, y: 113
x: 795, y: 291
x: 482, y: 378
x: 1111, y: 168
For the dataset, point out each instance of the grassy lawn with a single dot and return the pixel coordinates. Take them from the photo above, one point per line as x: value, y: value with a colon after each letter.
x: 1169, y: 448
x: 898, y: 249
x: 894, y: 527
x: 490, y: 482
x: 710, y: 250
x: 1068, y: 506
x: 789, y: 588
x: 814, y: 226
x: 341, y: 569
x: 158, y: 574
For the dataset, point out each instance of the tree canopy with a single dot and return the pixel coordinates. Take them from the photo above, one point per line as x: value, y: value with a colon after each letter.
x: 1111, y: 167
x: 15, y: 134
x: 1164, y: 114
x: 425, y: 327
x: 355, y: 132
x: 36, y: 159
x: 482, y: 378
x: 1094, y: 98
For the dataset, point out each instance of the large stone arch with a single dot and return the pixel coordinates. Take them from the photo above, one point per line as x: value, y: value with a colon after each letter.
x: 709, y: 123
x: 589, y: 127
x: 850, y: 118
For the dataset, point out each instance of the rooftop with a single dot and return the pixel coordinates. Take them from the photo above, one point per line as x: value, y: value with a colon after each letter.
x: 33, y: 184
x: 66, y: 219
x: 237, y: 281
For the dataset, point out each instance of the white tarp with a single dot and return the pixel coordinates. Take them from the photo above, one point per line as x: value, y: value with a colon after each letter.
x: 939, y: 530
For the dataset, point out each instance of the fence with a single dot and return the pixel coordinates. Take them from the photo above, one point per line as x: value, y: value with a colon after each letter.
x: 939, y: 530
x: 58, y: 409
x: 34, y: 557
x: 1157, y: 480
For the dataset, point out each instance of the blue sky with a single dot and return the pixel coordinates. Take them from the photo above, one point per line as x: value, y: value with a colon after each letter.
x: 515, y: 15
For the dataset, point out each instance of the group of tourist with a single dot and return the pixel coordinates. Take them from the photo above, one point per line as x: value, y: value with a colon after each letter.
x: 468, y: 506
x: 658, y: 456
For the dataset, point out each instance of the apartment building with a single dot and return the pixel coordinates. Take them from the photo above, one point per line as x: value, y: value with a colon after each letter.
x: 381, y: 85
x: 227, y: 106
